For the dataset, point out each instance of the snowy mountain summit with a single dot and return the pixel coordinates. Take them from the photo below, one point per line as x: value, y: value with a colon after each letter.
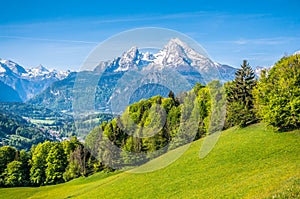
x: 177, y: 55
x: 42, y: 72
x: 129, y: 60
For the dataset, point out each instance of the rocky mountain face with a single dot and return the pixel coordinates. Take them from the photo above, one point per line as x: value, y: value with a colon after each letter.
x: 28, y: 82
x: 175, y: 55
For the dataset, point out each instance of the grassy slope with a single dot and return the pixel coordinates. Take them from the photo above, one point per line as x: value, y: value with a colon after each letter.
x: 253, y: 162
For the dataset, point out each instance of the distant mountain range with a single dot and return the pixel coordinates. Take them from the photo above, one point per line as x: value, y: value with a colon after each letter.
x: 25, y: 83
x: 54, y: 89
x: 175, y: 55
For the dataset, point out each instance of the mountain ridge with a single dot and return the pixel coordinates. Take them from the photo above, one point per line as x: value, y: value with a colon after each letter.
x: 28, y: 81
x: 174, y: 55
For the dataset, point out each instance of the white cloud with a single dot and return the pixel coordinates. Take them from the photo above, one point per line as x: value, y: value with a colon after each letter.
x: 49, y: 40
x: 261, y: 41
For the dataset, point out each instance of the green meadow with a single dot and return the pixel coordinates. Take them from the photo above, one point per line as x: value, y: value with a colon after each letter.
x: 251, y: 162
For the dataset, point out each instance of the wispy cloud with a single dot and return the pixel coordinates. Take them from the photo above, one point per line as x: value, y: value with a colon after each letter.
x: 49, y: 40
x: 261, y: 41
x: 137, y: 18
x: 184, y: 15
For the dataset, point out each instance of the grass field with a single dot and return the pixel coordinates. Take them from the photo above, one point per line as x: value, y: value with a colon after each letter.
x: 46, y: 121
x: 253, y: 162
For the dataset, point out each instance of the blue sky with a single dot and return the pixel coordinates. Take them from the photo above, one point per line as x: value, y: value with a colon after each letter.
x: 61, y: 34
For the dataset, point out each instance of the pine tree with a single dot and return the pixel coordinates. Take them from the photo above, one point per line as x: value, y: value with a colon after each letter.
x: 171, y: 95
x: 240, y: 106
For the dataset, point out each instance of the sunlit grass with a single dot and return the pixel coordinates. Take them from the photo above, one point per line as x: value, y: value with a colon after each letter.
x: 46, y: 121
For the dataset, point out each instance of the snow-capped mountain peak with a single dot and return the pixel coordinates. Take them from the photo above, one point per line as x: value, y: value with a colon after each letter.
x: 177, y: 55
x: 41, y: 68
x: 129, y: 60
x: 176, y: 44
x: 10, y: 65
x: 131, y: 55
x: 37, y: 71
x: 174, y: 53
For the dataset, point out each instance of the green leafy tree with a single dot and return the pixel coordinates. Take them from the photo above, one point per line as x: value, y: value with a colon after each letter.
x: 7, y: 155
x: 38, y: 163
x: 240, y: 101
x: 277, y: 95
x: 77, y: 164
x: 204, y: 101
x: 24, y: 158
x: 56, y: 164
x: 70, y: 145
x: 14, y: 174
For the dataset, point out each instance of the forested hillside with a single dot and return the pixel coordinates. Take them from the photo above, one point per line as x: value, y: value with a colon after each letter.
x: 19, y: 133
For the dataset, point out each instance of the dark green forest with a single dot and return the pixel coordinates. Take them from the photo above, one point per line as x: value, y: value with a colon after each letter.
x: 16, y: 131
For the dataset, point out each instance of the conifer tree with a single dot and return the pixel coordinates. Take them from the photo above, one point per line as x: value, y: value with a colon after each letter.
x: 240, y: 106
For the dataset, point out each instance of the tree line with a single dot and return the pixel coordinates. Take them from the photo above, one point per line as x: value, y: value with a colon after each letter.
x: 274, y: 98
x: 46, y: 163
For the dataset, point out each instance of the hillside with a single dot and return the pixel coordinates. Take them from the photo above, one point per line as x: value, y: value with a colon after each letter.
x: 20, y: 133
x: 252, y: 162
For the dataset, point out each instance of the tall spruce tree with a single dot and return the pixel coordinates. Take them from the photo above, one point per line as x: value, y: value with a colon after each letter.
x: 240, y: 102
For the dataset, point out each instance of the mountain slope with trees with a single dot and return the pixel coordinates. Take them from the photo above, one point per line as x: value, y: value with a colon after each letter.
x: 19, y: 133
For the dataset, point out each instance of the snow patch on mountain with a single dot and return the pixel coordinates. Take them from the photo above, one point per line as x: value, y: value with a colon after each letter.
x: 2, y: 69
